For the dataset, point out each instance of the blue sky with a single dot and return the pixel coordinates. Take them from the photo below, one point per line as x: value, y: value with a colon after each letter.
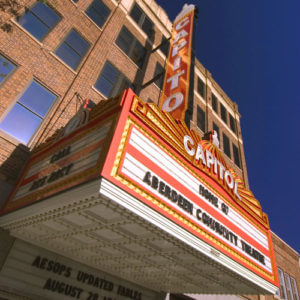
x: 252, y: 49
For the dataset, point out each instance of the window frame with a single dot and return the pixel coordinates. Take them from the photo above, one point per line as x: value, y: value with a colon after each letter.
x: 294, y: 288
x: 217, y: 129
x: 223, y: 109
x: 239, y: 165
x: 283, y: 292
x: 214, y: 107
x: 117, y: 83
x: 226, y: 138
x: 63, y: 41
x: 30, y: 11
x: 142, y: 19
x: 232, y: 123
x: 16, y: 101
x: 199, y: 109
x: 93, y: 19
x: 16, y: 66
x: 161, y: 84
x: 132, y: 47
x: 198, y: 90
x: 289, y: 286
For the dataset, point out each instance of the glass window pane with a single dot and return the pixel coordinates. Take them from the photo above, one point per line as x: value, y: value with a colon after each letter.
x: 232, y: 123
x: 147, y: 26
x: 282, y: 284
x: 75, y: 41
x: 104, y: 86
x: 136, y: 13
x: 5, y: 68
x: 98, y: 12
x: 226, y: 145
x: 20, y: 123
x: 201, y: 87
x: 124, y: 40
x: 45, y: 13
x: 39, y: 20
x: 109, y: 72
x: 138, y: 54
x: 236, y: 155
x: 158, y: 70
x: 166, y: 45
x: 201, y: 118
x: 37, y: 99
x: 214, y: 103
x: 68, y: 55
x: 33, y: 25
x: 295, y: 290
x: 216, y: 128
x: 223, y: 113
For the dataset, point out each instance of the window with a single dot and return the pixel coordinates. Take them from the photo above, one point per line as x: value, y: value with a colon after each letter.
x: 282, y: 285
x: 73, y: 49
x: 289, y: 287
x: 214, y: 101
x: 223, y: 113
x: 98, y: 12
x: 201, y: 119
x: 232, y: 123
x: 226, y: 145
x: 111, y: 81
x: 216, y: 128
x: 158, y: 70
x: 131, y: 46
x: 295, y: 290
x: 165, y: 45
x: 75, y: 1
x: 27, y: 114
x: 6, y: 68
x: 39, y: 20
x: 201, y: 87
x: 236, y: 155
x: 142, y: 20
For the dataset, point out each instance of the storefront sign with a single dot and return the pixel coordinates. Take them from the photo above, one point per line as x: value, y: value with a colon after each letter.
x: 175, y: 91
x: 159, y: 167
x: 51, y: 276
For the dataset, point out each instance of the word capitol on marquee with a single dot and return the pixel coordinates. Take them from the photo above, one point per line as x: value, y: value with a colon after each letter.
x: 209, y: 160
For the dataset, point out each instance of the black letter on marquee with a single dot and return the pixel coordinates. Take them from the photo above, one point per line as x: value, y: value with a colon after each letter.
x: 147, y: 178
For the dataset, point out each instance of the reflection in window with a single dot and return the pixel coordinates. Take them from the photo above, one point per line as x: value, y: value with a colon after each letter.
x: 289, y: 286
x: 223, y: 113
x: 232, y: 123
x: 39, y: 20
x: 131, y: 46
x: 165, y: 45
x: 201, y: 87
x: 6, y: 67
x: 201, y: 118
x: 295, y: 290
x: 236, y: 155
x: 73, y: 49
x: 282, y: 285
x: 28, y: 113
x: 226, y: 145
x: 111, y: 81
x: 214, y: 101
x: 158, y: 70
x: 98, y: 12
x: 142, y: 20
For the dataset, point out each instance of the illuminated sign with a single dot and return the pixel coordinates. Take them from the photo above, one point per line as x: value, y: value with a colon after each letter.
x: 137, y: 151
x: 177, y: 76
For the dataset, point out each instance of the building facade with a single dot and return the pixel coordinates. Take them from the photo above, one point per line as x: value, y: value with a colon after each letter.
x: 64, y: 52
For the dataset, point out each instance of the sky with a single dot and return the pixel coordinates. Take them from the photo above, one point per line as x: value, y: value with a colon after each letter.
x: 252, y: 49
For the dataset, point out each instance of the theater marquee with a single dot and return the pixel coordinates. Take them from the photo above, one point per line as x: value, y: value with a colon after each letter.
x: 160, y: 170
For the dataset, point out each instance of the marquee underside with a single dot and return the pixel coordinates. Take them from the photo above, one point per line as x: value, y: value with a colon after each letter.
x: 102, y: 226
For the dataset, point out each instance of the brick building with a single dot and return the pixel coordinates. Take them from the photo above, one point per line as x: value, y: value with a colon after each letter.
x: 66, y: 51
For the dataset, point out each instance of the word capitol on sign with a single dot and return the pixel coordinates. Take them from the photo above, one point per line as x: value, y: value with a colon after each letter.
x: 209, y: 161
